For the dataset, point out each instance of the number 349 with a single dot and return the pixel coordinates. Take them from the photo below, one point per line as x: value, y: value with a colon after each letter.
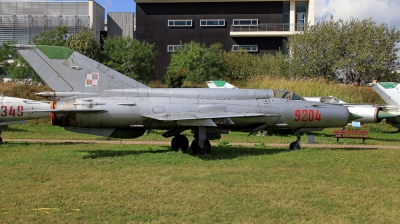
x: 307, y: 115
x: 5, y: 111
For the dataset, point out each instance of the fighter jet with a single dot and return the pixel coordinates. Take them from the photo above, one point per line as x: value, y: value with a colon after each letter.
x: 368, y: 113
x: 390, y: 93
x: 17, y: 110
x: 92, y: 98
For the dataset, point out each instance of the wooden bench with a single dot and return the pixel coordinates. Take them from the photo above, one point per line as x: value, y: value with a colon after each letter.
x: 338, y: 134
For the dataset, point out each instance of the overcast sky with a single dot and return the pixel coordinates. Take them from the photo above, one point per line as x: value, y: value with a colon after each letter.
x: 382, y: 11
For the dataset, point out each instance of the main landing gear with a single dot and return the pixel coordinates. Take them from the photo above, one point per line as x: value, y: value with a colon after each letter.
x: 200, y: 145
x: 197, y: 149
x: 179, y: 142
x: 1, y: 140
x: 296, y: 144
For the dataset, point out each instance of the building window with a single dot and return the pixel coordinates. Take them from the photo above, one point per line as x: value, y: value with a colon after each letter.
x: 180, y: 23
x: 245, y: 22
x: 212, y: 22
x: 249, y: 48
x: 301, y: 16
x: 175, y: 48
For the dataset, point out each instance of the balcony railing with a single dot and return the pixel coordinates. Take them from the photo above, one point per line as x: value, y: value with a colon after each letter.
x: 269, y: 27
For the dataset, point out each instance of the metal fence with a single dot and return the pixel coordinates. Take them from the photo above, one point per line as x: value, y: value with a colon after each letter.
x: 266, y: 27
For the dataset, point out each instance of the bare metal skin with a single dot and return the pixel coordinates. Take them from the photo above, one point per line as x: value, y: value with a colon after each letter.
x: 94, y: 99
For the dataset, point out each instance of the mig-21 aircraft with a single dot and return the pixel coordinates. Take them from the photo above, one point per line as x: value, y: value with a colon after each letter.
x: 368, y: 113
x: 92, y: 98
x: 17, y: 110
x: 390, y: 93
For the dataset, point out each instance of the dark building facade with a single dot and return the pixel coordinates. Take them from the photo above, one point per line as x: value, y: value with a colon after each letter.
x: 258, y: 26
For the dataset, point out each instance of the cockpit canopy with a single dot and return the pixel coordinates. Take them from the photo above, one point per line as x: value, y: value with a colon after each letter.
x: 287, y: 95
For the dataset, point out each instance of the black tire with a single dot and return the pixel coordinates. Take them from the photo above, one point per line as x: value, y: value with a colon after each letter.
x: 294, y: 146
x: 183, y: 142
x: 175, y: 143
x: 1, y: 141
x: 200, y: 151
x: 179, y: 142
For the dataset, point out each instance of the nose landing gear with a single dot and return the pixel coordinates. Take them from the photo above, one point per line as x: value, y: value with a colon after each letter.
x: 296, y: 144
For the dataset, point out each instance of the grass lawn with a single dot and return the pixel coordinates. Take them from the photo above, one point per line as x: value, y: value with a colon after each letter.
x: 103, y: 183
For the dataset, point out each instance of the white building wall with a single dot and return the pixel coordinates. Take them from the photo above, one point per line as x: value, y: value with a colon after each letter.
x: 96, y: 15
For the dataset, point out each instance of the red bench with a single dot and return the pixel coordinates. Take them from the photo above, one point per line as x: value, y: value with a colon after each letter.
x: 338, y: 134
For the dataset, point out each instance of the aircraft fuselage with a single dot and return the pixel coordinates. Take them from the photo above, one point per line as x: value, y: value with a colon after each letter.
x: 17, y: 109
x: 175, y: 108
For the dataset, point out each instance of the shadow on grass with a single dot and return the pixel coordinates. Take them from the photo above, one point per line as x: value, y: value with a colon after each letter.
x: 94, y: 154
x: 223, y: 153
x: 22, y: 143
x: 8, y: 129
x: 217, y: 153
x: 350, y: 149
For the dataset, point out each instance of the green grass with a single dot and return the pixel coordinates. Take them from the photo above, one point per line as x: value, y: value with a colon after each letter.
x: 381, y: 134
x: 103, y: 183
x: 97, y: 183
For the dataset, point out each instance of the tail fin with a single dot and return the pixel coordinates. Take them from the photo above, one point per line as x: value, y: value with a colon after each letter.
x: 388, y: 91
x: 65, y: 70
x: 220, y: 84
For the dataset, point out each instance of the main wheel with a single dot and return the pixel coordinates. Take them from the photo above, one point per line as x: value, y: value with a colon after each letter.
x: 179, y: 142
x: 196, y: 149
x: 1, y: 141
x: 294, y: 146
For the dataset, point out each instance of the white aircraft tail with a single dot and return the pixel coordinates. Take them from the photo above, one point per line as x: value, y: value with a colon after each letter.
x: 65, y: 70
x: 389, y: 92
x: 220, y: 84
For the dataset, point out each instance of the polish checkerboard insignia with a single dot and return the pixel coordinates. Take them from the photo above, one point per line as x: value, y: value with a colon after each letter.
x: 92, y: 79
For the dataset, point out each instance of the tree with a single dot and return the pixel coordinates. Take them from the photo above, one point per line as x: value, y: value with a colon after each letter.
x: 352, y: 51
x: 21, y: 70
x: 85, y: 43
x: 15, y: 65
x: 197, y: 63
x: 243, y: 65
x: 131, y: 57
x: 6, y: 53
x: 54, y: 37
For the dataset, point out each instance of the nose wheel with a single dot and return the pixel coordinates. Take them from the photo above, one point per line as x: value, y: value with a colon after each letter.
x: 180, y: 142
x: 296, y: 144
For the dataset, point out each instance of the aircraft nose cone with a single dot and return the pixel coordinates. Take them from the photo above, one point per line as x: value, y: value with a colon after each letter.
x: 354, y: 117
x: 384, y: 115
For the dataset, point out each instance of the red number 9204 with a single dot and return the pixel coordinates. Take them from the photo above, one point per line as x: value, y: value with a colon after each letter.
x: 307, y: 115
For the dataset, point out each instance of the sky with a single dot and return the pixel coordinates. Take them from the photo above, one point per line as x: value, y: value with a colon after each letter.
x: 381, y: 11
